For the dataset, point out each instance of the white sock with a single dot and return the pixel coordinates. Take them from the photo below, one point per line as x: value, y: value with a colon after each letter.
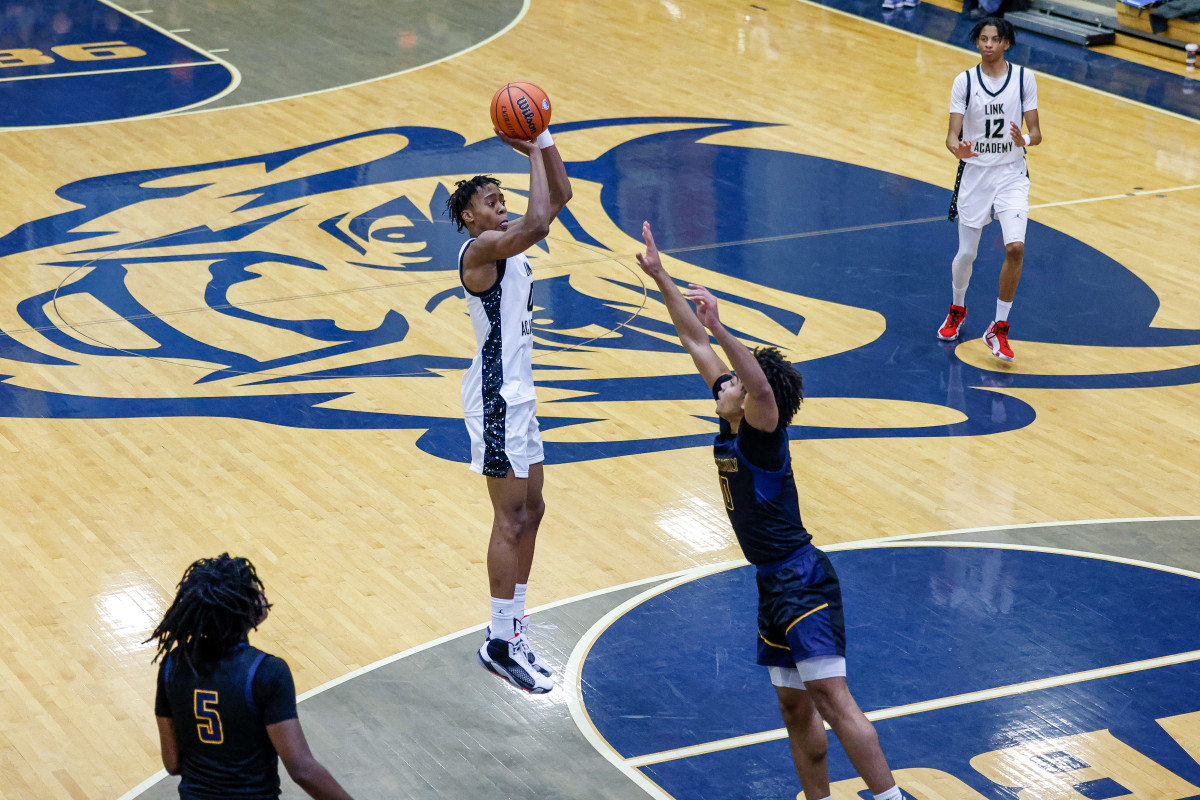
x: 891, y: 794
x: 1002, y: 309
x: 502, y: 618
x: 519, y: 600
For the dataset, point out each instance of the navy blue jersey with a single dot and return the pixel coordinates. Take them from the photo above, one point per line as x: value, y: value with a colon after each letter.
x: 221, y: 717
x: 755, y: 469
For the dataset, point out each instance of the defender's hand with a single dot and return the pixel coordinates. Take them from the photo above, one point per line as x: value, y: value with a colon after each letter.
x: 649, y: 261
x: 706, y: 305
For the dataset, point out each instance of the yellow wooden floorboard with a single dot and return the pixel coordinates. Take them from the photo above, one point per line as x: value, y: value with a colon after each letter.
x: 367, y: 545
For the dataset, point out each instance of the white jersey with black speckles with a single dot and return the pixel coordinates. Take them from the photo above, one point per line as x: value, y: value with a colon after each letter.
x: 502, y: 371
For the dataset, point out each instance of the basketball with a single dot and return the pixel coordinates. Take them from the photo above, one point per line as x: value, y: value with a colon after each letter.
x: 521, y: 110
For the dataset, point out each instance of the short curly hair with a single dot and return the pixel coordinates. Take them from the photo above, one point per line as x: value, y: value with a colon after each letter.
x: 1003, y: 27
x: 786, y: 382
x: 458, y: 202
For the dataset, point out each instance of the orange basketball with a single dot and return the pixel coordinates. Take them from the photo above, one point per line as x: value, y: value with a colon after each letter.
x: 521, y: 110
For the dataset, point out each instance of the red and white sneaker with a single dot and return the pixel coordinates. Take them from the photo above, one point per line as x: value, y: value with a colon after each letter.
x: 996, y: 338
x: 949, y: 330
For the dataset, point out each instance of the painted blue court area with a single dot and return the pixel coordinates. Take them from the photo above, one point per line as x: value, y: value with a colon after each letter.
x: 74, y: 61
x: 926, y: 624
x: 877, y: 243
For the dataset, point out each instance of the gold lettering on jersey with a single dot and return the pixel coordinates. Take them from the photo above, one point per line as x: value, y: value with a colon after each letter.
x: 727, y: 464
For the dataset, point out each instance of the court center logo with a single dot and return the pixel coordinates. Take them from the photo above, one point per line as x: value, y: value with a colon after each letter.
x: 318, y: 287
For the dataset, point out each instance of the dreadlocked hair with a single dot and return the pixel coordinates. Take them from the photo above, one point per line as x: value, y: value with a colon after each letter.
x: 219, y: 601
x: 461, y: 198
x: 785, y: 380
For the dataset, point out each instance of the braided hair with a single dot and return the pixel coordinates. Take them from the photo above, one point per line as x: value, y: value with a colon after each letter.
x: 458, y: 202
x: 219, y: 601
x: 785, y: 380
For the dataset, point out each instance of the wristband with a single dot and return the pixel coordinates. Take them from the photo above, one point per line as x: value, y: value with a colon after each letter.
x: 1027, y: 140
x: 544, y: 139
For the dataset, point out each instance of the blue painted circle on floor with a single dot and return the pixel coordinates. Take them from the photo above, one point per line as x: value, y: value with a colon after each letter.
x: 923, y: 623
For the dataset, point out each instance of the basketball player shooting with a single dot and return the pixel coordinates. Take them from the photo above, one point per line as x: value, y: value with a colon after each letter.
x: 499, y: 400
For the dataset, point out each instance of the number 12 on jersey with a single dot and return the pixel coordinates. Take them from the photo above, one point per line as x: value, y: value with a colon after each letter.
x: 993, y: 127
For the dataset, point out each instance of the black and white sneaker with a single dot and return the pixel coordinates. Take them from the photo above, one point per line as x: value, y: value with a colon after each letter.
x: 521, y: 628
x: 512, y: 660
x: 534, y: 659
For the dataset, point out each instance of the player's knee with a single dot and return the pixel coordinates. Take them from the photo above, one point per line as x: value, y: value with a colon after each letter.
x: 510, y: 526
x: 535, y: 509
x: 793, y: 709
x: 831, y: 699
x: 1015, y: 251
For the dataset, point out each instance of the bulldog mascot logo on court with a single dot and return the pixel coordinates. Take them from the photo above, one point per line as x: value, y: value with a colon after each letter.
x: 318, y: 287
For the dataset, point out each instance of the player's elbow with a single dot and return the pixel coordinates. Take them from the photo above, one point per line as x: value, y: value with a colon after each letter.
x: 760, y: 394
x: 695, y: 346
x: 306, y: 772
x: 171, y: 764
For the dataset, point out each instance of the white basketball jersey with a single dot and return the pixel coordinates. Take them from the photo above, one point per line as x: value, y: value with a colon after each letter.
x: 502, y: 370
x: 989, y: 107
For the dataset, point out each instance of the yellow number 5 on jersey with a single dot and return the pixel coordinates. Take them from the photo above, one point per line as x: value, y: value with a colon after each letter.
x: 208, y: 721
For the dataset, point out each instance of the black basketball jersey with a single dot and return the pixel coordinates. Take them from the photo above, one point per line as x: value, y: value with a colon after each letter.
x: 763, y: 504
x: 221, y: 717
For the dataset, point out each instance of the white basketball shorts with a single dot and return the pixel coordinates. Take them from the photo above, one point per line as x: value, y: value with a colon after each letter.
x: 1003, y: 189
x: 509, y: 440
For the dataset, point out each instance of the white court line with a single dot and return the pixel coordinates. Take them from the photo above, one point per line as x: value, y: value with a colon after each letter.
x: 939, y: 42
x: 918, y: 221
x: 929, y: 705
x: 233, y: 71
x: 196, y: 109
x: 235, y: 82
x: 1138, y: 193
x: 109, y: 72
x: 571, y: 675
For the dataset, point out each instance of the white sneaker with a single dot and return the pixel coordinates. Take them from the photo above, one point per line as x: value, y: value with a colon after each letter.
x: 538, y: 663
x: 889, y: 5
x: 511, y: 660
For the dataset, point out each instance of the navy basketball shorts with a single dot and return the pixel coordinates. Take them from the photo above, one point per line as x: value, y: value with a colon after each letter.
x: 799, y: 609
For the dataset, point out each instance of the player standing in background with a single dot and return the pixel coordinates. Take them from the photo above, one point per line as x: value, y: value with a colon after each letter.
x: 987, y: 106
x: 227, y: 711
x: 802, y: 633
x: 498, y: 395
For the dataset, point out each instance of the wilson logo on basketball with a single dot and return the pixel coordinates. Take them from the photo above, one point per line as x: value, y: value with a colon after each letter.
x: 526, y: 111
